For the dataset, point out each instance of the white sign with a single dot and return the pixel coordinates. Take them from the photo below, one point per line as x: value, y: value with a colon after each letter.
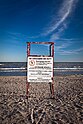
x: 40, y: 69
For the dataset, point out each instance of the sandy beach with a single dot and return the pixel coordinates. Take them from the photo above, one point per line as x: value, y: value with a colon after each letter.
x: 66, y: 108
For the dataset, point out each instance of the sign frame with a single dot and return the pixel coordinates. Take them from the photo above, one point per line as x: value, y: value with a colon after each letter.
x: 51, y: 54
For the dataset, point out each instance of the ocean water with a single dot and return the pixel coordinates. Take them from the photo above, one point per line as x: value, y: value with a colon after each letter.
x: 60, y: 68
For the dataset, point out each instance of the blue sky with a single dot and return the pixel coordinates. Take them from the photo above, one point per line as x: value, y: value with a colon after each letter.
x: 59, y: 21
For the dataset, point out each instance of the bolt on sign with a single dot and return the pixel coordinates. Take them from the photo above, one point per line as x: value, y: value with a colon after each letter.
x: 40, y: 67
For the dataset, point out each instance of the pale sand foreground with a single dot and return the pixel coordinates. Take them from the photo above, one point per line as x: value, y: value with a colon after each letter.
x: 66, y: 108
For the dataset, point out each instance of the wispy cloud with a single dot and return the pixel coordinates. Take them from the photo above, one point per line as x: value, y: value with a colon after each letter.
x: 56, y: 35
x: 20, y: 36
x: 66, y: 47
x: 64, y: 12
x: 57, y: 25
x: 60, y: 47
x: 70, y: 52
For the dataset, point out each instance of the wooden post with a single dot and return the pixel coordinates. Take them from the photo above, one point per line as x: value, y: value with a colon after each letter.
x: 27, y: 83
